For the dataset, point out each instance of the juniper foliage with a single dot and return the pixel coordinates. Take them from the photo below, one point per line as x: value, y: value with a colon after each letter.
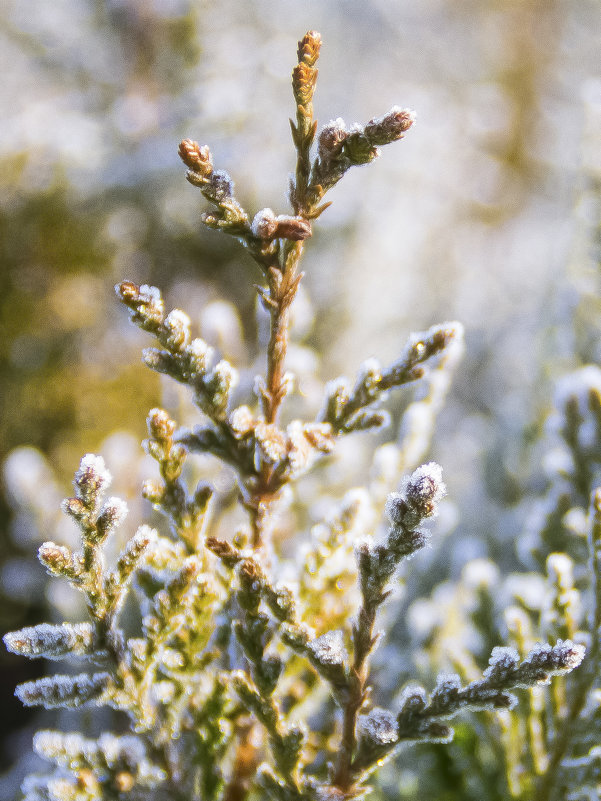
x: 249, y: 673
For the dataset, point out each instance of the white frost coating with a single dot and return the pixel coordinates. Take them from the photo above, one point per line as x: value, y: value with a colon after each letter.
x: 578, y: 385
x: 480, y: 574
x: 426, y: 483
x: 93, y: 469
x: 126, y: 749
x: 530, y: 588
x: 502, y: 660
x: 379, y: 726
x: 28, y: 479
x: 576, y: 520
x: 421, y: 492
x: 300, y: 454
x: 263, y: 224
x: 369, y: 371
x: 65, y: 749
x: 172, y: 659
x: 563, y: 656
x: 149, y: 294
x: 200, y: 353
x: 51, y: 641
x: 517, y: 620
x: 413, y: 697
x: 178, y: 325
x: 67, y: 691
x: 226, y: 374
x: 144, y: 534
x: 563, y: 567
x: 163, y: 691
x: 330, y: 138
x: 115, y: 509
x: 242, y: 421
x: 177, y: 319
x: 557, y: 462
x: 447, y: 682
x: 329, y: 648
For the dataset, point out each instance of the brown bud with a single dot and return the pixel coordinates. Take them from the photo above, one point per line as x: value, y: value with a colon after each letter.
x: 127, y: 291
x: 87, y: 781
x: 303, y: 83
x: 75, y: 508
x: 293, y: 228
x: 331, y: 139
x: 57, y: 559
x: 390, y: 127
x: 124, y: 781
x: 308, y: 48
x: 195, y: 157
x: 267, y: 226
x: 320, y: 436
x: 251, y: 575
x: 229, y: 555
x: 160, y: 425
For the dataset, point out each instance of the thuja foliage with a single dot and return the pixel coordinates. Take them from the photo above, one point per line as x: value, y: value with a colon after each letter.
x: 245, y: 672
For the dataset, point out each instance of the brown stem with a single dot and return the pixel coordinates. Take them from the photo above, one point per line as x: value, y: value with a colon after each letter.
x: 363, y: 643
x: 278, y: 346
x: 283, y: 281
x: 283, y: 285
x: 245, y: 766
x: 259, y: 515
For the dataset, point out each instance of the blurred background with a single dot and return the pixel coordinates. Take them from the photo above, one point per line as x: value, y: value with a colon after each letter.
x: 488, y: 212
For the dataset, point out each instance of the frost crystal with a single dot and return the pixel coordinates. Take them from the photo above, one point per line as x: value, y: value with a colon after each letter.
x: 56, y: 691
x: 413, y: 699
x: 503, y: 660
x: 112, y: 514
x: 447, y: 682
x: 329, y: 648
x: 379, y: 726
x: 52, y: 642
x: 419, y: 498
x: 177, y: 323
x: 149, y: 294
x: 426, y: 485
x: 92, y: 478
x: 561, y: 657
x: 264, y: 224
x: 200, y: 355
x: 222, y: 185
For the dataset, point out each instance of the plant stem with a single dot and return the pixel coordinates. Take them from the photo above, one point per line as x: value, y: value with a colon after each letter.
x: 363, y: 642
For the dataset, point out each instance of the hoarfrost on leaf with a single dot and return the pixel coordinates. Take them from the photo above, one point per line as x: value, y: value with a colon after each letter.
x: 329, y: 648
